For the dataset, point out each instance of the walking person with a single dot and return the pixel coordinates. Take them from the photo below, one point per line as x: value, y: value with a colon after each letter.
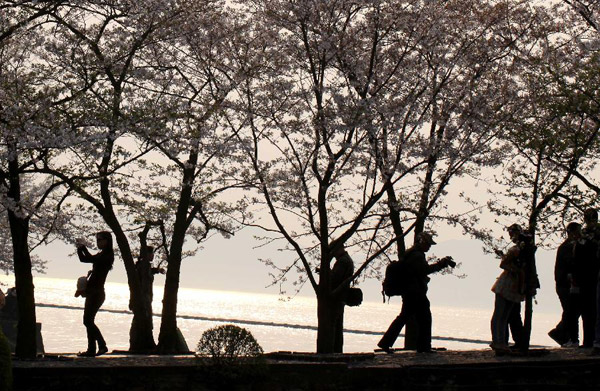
x: 101, y: 262
x: 566, y: 332
x: 585, y: 274
x: 414, y: 296
x: 509, y: 292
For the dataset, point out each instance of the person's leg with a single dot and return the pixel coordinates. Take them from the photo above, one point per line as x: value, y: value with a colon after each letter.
x: 596, y: 343
x: 559, y: 332
x: 572, y: 313
x: 499, y: 322
x: 89, y: 313
x: 390, y: 336
x: 515, y: 323
x: 424, y: 321
x: 588, y: 316
x: 92, y: 305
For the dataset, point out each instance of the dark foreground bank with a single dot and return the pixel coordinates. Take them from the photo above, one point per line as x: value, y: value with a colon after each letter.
x: 562, y: 369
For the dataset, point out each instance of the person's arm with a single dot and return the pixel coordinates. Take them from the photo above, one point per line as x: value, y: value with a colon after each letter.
x: 508, y: 260
x: 84, y: 255
x: 437, y: 266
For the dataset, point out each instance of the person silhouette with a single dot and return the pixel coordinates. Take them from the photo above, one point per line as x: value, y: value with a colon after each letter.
x: 509, y: 292
x: 566, y: 332
x: 102, y: 263
x: 585, y: 274
x: 341, y: 271
x: 414, y: 299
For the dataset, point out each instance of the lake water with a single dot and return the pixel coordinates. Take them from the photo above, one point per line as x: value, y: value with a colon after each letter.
x: 277, y: 325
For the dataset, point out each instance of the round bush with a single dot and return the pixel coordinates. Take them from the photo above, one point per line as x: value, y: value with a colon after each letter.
x: 224, y: 343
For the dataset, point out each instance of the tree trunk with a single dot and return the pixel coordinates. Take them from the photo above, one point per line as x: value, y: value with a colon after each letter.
x: 325, y: 325
x: 19, y: 227
x: 26, y: 329
x: 168, y: 338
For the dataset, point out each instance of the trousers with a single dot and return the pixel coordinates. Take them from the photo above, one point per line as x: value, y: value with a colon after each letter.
x: 93, y: 302
x: 412, y: 305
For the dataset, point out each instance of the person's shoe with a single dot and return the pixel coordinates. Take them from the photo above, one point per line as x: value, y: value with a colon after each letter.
x: 570, y: 345
x: 387, y: 349
x: 102, y: 350
x: 87, y: 353
x: 516, y: 348
x: 427, y: 351
x: 500, y: 349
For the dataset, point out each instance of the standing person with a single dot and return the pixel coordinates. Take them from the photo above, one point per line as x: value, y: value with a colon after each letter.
x: 101, y: 262
x: 342, y: 270
x: 414, y: 297
x: 566, y: 332
x: 585, y: 274
x: 146, y: 273
x: 509, y: 292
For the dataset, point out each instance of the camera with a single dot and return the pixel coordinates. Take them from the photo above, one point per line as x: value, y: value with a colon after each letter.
x: 450, y: 262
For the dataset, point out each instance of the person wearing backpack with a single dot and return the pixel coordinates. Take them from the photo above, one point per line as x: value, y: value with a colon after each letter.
x: 414, y: 294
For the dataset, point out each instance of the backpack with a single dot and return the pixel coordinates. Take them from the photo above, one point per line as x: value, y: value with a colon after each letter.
x: 395, y: 280
x: 393, y: 283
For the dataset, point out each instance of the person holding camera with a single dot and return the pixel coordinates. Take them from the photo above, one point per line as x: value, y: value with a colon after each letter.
x: 101, y: 262
x: 509, y: 290
x: 414, y: 299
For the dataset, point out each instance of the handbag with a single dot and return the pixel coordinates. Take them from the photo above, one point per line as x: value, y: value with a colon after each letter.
x: 354, y: 297
x: 81, y: 286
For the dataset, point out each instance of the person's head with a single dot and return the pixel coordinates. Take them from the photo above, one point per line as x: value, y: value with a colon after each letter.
x: 424, y: 241
x: 573, y: 231
x: 590, y: 216
x: 514, y: 232
x: 104, y: 240
x: 338, y: 251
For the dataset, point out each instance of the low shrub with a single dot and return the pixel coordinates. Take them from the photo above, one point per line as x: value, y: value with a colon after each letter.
x: 228, y: 343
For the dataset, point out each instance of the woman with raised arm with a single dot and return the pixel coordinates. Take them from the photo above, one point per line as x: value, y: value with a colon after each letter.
x: 101, y: 262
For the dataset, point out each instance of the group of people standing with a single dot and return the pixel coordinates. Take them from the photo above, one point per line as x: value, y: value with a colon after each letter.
x: 576, y: 274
